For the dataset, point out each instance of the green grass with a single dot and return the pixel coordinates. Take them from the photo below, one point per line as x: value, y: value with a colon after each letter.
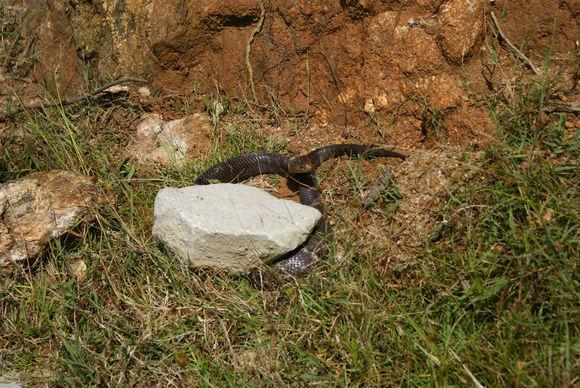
x: 496, y: 296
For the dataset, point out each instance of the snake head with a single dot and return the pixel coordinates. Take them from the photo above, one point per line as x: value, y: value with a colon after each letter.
x: 300, y: 165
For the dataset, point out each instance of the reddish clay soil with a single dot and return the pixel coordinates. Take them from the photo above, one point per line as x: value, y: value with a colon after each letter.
x: 407, y: 73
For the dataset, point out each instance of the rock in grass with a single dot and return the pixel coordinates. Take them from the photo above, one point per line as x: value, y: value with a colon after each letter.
x: 230, y: 227
x: 41, y: 207
x: 169, y: 142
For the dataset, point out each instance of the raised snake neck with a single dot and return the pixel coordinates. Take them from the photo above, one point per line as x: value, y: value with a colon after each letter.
x: 300, y: 170
x: 311, y: 161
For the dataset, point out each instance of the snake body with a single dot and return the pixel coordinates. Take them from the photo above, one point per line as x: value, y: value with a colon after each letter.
x: 320, y: 155
x: 301, y: 171
x: 246, y: 166
x: 307, y: 255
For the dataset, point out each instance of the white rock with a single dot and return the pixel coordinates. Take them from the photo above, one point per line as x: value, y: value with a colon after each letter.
x: 5, y: 383
x: 231, y: 227
x: 170, y: 142
x: 144, y: 91
x: 116, y: 89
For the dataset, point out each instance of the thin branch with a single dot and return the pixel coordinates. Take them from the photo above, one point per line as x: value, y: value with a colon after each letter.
x: 385, y: 181
x: 249, y: 48
x: 562, y: 108
x: 77, y: 100
x: 117, y: 82
x: 340, y: 96
x: 474, y: 380
x: 518, y: 53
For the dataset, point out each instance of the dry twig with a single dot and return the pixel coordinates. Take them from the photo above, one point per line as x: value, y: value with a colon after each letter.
x: 384, y: 182
x: 339, y: 94
x: 518, y: 53
x: 78, y: 100
x: 474, y: 380
x: 249, y: 48
x: 562, y: 108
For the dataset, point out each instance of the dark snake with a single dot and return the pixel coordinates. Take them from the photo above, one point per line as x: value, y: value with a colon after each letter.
x: 301, y: 172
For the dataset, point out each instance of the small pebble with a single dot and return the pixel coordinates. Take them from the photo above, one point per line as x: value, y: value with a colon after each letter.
x: 144, y: 91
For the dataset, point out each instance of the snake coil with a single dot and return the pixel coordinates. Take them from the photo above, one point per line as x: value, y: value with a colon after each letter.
x: 301, y: 170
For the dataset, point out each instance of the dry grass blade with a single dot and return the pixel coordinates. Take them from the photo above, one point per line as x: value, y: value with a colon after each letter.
x: 516, y: 51
x: 255, y: 31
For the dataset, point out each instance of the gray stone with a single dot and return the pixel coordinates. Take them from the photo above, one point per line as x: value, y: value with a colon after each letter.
x: 5, y: 383
x: 230, y: 227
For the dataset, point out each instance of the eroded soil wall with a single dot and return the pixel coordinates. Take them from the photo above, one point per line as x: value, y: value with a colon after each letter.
x: 407, y: 69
